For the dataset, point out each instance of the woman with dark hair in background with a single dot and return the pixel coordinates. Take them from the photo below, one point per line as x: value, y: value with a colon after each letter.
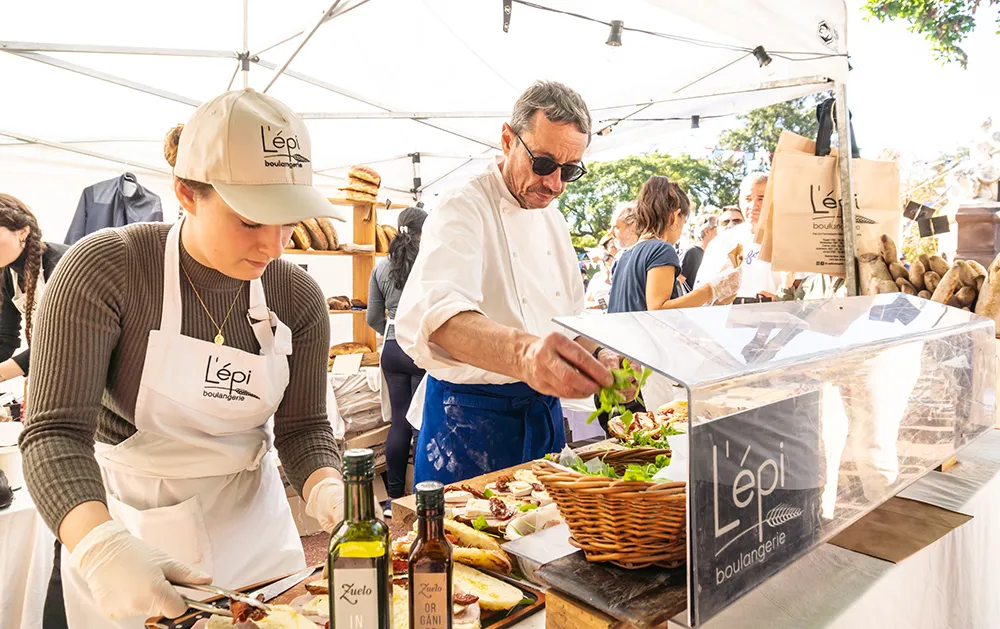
x: 27, y: 263
x: 401, y: 374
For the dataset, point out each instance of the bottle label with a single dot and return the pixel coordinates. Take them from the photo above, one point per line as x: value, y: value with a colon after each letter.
x: 355, y: 604
x: 429, y: 598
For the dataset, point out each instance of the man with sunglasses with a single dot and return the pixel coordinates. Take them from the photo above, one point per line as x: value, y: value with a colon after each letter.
x: 496, y: 265
x: 730, y: 217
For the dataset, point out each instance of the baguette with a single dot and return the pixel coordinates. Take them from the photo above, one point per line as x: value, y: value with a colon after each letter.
x: 939, y: 265
x: 492, y: 560
x: 872, y: 267
x: 470, y: 537
x: 965, y: 296
x: 301, y: 237
x: 965, y: 273
x: 493, y: 593
x: 887, y: 248
x: 316, y: 236
x: 898, y: 271
x: 978, y: 270
x: 917, y: 270
x: 365, y: 173
x: 948, y: 286
x: 931, y: 281
x: 988, y: 304
x: 318, y: 587
x: 905, y: 286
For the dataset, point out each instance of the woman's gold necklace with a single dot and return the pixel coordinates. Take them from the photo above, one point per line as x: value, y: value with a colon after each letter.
x: 219, y: 339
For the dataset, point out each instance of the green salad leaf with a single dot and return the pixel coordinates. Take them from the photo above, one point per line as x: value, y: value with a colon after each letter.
x: 480, y: 524
x: 611, y: 398
x: 487, y: 493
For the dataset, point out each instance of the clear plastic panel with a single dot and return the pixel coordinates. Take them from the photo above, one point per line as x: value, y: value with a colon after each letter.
x: 805, y: 416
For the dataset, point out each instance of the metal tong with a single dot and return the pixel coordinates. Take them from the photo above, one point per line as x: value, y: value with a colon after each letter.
x: 214, y: 589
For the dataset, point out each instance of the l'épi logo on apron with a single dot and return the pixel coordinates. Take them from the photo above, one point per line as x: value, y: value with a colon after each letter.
x: 225, y: 383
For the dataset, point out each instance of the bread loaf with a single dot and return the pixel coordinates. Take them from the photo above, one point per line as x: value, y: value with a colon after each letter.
x: 381, y: 240
x: 365, y: 174
x: 330, y: 232
x: 343, y: 349
x: 301, y: 237
x: 360, y: 197
x: 360, y: 185
x: 316, y: 235
x: 390, y: 232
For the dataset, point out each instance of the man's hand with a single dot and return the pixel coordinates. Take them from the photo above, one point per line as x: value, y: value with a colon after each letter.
x: 557, y: 366
x: 612, y: 360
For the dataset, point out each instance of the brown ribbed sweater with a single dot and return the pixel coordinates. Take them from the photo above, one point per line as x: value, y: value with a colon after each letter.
x: 89, y: 347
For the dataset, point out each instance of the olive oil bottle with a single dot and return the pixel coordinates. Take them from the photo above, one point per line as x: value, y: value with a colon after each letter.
x: 430, y: 566
x: 358, y: 564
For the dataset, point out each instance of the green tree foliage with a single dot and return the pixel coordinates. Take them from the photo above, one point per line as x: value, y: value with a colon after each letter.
x: 588, y: 203
x: 944, y: 23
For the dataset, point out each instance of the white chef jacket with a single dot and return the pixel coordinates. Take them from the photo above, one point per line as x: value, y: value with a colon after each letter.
x: 757, y: 274
x: 481, y: 252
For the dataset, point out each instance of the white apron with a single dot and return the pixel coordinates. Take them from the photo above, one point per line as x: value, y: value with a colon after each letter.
x: 384, y: 391
x: 20, y: 297
x: 197, y: 480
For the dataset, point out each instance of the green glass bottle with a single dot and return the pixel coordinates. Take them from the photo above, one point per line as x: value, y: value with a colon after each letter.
x: 430, y: 562
x: 358, y: 564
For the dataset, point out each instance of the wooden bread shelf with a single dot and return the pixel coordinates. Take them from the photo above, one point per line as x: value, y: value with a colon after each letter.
x: 380, y: 205
x: 313, y: 252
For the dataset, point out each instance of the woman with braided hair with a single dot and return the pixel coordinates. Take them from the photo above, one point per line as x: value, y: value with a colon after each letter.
x: 27, y: 263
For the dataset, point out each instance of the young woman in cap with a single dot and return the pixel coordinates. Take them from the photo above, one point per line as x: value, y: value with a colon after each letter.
x: 172, y: 347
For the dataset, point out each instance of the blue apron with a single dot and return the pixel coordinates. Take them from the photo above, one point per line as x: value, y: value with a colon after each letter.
x: 472, y: 429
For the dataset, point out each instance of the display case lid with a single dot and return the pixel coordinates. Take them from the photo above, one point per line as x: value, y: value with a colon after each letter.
x: 695, y: 346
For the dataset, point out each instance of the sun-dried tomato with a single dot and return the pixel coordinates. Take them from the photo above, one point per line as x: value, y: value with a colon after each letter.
x: 499, y: 509
x: 503, y: 484
x: 400, y: 566
x: 461, y: 598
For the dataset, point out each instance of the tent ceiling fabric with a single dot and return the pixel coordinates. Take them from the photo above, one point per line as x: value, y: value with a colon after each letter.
x: 409, y: 56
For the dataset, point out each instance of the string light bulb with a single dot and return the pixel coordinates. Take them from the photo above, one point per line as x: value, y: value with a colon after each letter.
x: 696, y: 122
x: 606, y: 130
x: 615, y: 37
x: 763, y: 58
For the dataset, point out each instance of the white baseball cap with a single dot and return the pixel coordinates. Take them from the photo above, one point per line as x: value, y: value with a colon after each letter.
x: 257, y: 155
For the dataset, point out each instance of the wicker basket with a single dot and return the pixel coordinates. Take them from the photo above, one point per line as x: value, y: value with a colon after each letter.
x: 620, y: 457
x: 630, y: 524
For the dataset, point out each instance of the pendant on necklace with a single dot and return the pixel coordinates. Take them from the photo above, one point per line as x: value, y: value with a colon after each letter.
x: 219, y: 339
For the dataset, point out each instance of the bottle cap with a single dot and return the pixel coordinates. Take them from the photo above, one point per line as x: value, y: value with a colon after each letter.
x: 359, y: 464
x: 430, y: 495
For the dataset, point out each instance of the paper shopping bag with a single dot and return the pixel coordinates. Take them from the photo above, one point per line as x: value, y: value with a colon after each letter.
x: 807, y: 212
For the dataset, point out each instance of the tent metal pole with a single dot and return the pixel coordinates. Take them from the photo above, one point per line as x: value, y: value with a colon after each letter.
x: 846, y: 188
x: 245, y: 54
x: 415, y: 157
x: 110, y: 78
x: 306, y: 36
x: 367, y: 101
x: 18, y: 46
x: 392, y: 115
x: 73, y: 149
x: 820, y: 82
x: 285, y: 40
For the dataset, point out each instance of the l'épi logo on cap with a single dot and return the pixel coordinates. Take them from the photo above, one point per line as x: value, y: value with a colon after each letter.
x: 225, y: 383
x: 278, y: 149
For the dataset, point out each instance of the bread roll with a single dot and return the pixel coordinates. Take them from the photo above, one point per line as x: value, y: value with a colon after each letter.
x: 338, y: 303
x: 887, y: 249
x: 365, y: 174
x: 898, y: 271
x: 917, y: 270
x: 301, y: 237
x: 360, y: 185
x: 381, y: 240
x: 330, y: 232
x: 905, y: 286
x: 939, y: 265
x: 316, y: 235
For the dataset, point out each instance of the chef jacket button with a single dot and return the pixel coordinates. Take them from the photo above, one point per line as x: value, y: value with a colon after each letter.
x: 548, y: 252
x: 524, y: 300
x: 558, y: 294
x: 514, y: 254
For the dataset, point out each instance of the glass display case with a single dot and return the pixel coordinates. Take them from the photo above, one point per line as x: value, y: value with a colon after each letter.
x: 803, y: 417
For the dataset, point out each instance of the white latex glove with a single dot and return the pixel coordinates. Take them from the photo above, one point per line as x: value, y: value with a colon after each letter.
x: 326, y: 503
x: 726, y: 285
x: 128, y: 577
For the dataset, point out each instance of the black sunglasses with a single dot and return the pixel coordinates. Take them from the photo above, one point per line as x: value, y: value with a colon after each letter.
x: 545, y: 166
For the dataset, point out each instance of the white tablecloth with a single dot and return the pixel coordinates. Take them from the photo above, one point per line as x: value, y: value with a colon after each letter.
x: 25, y: 564
x: 951, y: 584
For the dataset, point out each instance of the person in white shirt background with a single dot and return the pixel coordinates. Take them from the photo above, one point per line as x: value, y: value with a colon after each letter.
x: 496, y: 265
x: 759, y: 282
x: 600, y: 285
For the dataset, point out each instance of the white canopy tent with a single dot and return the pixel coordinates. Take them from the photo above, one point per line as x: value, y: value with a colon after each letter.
x: 91, y: 88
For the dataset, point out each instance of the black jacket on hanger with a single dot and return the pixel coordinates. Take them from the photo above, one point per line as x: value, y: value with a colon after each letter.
x: 105, y: 205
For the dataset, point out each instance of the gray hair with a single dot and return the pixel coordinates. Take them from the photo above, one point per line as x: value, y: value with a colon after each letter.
x: 750, y: 181
x: 704, y: 224
x: 558, y: 102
